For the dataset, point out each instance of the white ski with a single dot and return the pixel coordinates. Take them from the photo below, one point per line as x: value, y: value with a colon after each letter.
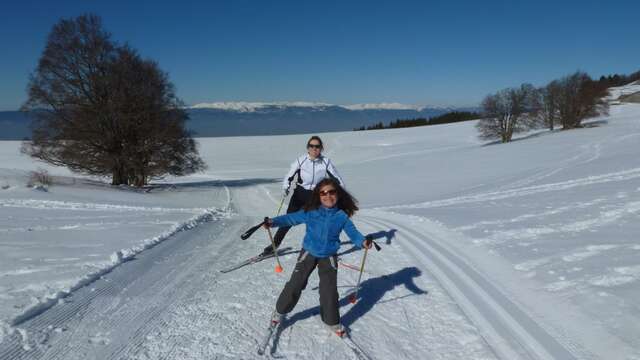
x: 265, y: 341
x: 255, y: 259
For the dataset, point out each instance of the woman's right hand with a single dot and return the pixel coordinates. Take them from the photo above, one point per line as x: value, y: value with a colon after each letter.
x: 267, y: 223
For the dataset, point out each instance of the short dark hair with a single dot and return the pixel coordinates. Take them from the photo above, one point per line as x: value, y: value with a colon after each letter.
x: 315, y: 137
x: 346, y: 202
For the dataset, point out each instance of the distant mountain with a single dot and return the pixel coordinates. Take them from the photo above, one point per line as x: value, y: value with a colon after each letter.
x: 258, y: 118
x: 244, y: 118
x: 245, y: 106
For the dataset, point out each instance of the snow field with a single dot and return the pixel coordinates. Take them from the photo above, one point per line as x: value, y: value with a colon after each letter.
x: 526, y: 250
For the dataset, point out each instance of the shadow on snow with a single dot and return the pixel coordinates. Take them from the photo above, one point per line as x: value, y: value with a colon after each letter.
x: 371, y: 293
x: 388, y: 235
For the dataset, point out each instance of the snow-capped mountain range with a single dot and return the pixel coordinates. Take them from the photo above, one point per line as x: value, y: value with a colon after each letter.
x: 279, y: 118
x: 267, y: 118
x: 245, y: 106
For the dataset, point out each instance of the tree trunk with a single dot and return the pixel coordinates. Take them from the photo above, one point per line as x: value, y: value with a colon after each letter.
x: 140, y: 180
x: 119, y: 176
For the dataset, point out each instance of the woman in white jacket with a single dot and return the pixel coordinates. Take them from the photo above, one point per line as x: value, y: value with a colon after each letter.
x: 311, y: 168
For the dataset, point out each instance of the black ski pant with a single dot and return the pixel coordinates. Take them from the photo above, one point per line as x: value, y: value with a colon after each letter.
x: 298, y: 199
x: 328, y: 273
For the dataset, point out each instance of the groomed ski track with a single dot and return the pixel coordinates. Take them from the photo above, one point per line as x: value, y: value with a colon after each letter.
x: 510, y: 331
x: 418, y: 298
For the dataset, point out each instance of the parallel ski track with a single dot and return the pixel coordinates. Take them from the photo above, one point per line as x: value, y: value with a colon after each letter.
x: 508, y: 330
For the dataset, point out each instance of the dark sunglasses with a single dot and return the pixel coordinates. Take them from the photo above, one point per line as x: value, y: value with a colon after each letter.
x: 328, y: 192
x: 314, y: 146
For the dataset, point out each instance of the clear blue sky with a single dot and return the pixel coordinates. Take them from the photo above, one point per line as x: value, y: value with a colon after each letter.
x: 342, y: 52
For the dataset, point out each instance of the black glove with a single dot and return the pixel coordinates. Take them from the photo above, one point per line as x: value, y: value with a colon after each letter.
x: 368, y: 241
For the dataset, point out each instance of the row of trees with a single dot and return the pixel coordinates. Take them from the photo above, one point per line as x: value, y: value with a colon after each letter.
x: 450, y: 117
x: 618, y: 79
x: 565, y: 102
x: 396, y: 124
x: 101, y: 109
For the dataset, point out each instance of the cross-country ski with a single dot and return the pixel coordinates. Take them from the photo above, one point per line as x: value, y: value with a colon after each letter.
x: 273, y: 325
x: 257, y: 258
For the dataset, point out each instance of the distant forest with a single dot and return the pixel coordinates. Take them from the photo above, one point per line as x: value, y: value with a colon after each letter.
x: 618, y: 80
x: 450, y: 117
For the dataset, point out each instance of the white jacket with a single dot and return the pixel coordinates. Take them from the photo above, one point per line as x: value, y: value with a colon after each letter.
x: 311, y: 172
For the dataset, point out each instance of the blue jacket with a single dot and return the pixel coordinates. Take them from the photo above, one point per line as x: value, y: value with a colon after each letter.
x: 324, y: 225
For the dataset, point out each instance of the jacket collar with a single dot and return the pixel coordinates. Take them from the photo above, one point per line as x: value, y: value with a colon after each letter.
x: 324, y: 209
x: 319, y: 158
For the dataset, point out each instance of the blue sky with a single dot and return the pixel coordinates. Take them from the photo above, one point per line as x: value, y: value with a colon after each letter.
x: 342, y: 52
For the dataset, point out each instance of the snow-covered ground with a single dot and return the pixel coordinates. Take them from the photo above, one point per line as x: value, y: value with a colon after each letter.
x: 523, y: 250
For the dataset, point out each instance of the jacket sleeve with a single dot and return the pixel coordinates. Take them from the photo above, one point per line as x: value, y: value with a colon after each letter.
x: 288, y: 178
x: 291, y: 219
x: 356, y: 237
x: 332, y: 169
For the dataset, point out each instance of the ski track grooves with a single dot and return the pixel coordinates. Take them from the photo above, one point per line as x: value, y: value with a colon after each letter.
x: 508, y: 330
x: 111, y: 317
x: 128, y: 309
x: 625, y: 175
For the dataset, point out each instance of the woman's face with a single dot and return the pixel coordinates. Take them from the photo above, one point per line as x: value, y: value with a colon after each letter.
x: 328, y: 196
x: 314, y: 148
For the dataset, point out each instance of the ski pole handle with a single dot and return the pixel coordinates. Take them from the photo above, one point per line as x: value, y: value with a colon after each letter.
x: 375, y: 244
x: 250, y: 232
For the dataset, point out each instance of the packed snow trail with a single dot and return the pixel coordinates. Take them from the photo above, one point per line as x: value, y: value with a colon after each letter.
x: 511, y: 333
x: 112, y: 317
x: 516, y: 324
x: 172, y: 301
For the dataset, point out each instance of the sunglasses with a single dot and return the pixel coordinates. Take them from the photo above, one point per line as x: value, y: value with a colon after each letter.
x: 314, y: 146
x: 328, y: 192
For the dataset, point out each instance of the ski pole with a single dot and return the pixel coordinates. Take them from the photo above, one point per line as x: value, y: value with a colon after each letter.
x: 275, y: 250
x: 281, y: 202
x: 349, y: 266
x: 250, y: 232
x: 353, y: 298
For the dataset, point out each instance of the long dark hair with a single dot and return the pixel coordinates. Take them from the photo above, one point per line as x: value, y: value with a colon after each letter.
x: 346, y: 202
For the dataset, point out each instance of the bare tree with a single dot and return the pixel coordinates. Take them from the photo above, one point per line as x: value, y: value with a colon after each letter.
x: 507, y: 112
x: 549, y: 104
x: 579, y: 98
x: 67, y: 93
x: 102, y: 110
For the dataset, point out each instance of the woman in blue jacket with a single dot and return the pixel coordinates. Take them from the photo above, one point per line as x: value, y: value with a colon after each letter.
x: 326, y: 214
